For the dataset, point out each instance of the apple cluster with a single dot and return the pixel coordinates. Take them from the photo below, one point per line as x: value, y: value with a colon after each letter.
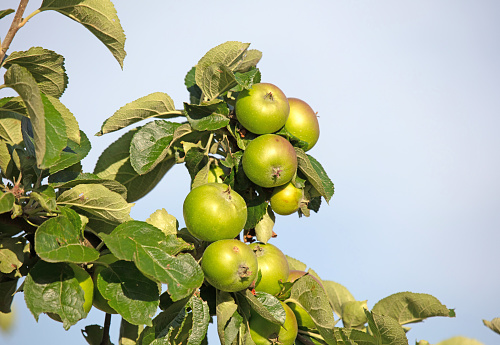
x: 215, y: 213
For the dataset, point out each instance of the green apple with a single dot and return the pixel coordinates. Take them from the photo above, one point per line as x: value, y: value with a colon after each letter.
x: 302, y: 122
x: 262, y: 109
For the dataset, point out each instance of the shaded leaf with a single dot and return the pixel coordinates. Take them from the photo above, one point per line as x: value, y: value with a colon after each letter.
x: 47, y: 123
x: 98, y: 16
x: 194, y: 90
x: 114, y: 164
x: 247, y: 79
x: 315, y: 174
x: 46, y: 66
x: 207, y: 117
x: 129, y: 292
x: 151, y: 144
x: 93, y: 334
x: 157, y: 104
x: 4, y: 13
x: 408, y: 307
x: 11, y: 254
x: 8, y: 288
x: 53, y: 288
x: 97, y: 200
x: 72, y: 154
x: 154, y: 254
x: 256, y: 209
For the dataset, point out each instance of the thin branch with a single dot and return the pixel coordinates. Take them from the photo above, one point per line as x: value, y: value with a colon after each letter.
x: 13, y: 28
x: 105, y: 335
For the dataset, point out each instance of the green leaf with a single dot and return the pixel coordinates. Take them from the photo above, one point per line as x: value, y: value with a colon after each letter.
x: 10, y: 122
x: 247, y: 79
x: 46, y: 66
x: 460, y: 341
x: 325, y: 180
x: 11, y: 254
x: 53, y: 288
x: 266, y: 305
x: 314, y: 173
x: 59, y: 240
x: 216, y: 80
x: 114, y: 164
x: 353, y: 314
x: 129, y: 333
x: 264, y: 228
x: 494, y: 324
x: 97, y: 200
x: 256, y: 209
x: 8, y: 288
x: 295, y: 264
x: 250, y: 59
x: 228, y: 54
x: 408, y: 307
x: 98, y: 16
x: 72, y: 154
x: 129, y: 292
x: 194, y: 90
x: 6, y: 202
x: 338, y: 295
x: 46, y: 198
x: 48, y: 124
x: 386, y: 329
x: 181, y: 323
x: 207, y: 117
x: 157, y: 104
x: 7, y: 164
x: 164, y: 221
x: 93, y: 334
x: 4, y: 13
x: 87, y: 178
x: 226, y: 308
x: 308, y: 294
x: 151, y: 145
x: 353, y: 336
x: 154, y: 254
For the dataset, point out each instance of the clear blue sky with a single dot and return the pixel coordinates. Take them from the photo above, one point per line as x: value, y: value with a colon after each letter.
x: 408, y: 98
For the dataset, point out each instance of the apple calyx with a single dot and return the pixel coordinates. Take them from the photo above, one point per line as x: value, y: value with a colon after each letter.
x: 269, y: 95
x: 244, y: 271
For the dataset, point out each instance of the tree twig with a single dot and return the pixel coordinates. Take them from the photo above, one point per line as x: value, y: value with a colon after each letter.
x: 13, y: 28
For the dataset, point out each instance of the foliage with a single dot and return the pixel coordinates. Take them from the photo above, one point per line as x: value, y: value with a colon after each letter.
x: 52, y: 214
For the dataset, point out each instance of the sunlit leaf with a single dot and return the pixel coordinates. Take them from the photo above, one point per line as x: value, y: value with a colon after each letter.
x: 98, y: 16
x: 157, y: 104
x: 46, y: 66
